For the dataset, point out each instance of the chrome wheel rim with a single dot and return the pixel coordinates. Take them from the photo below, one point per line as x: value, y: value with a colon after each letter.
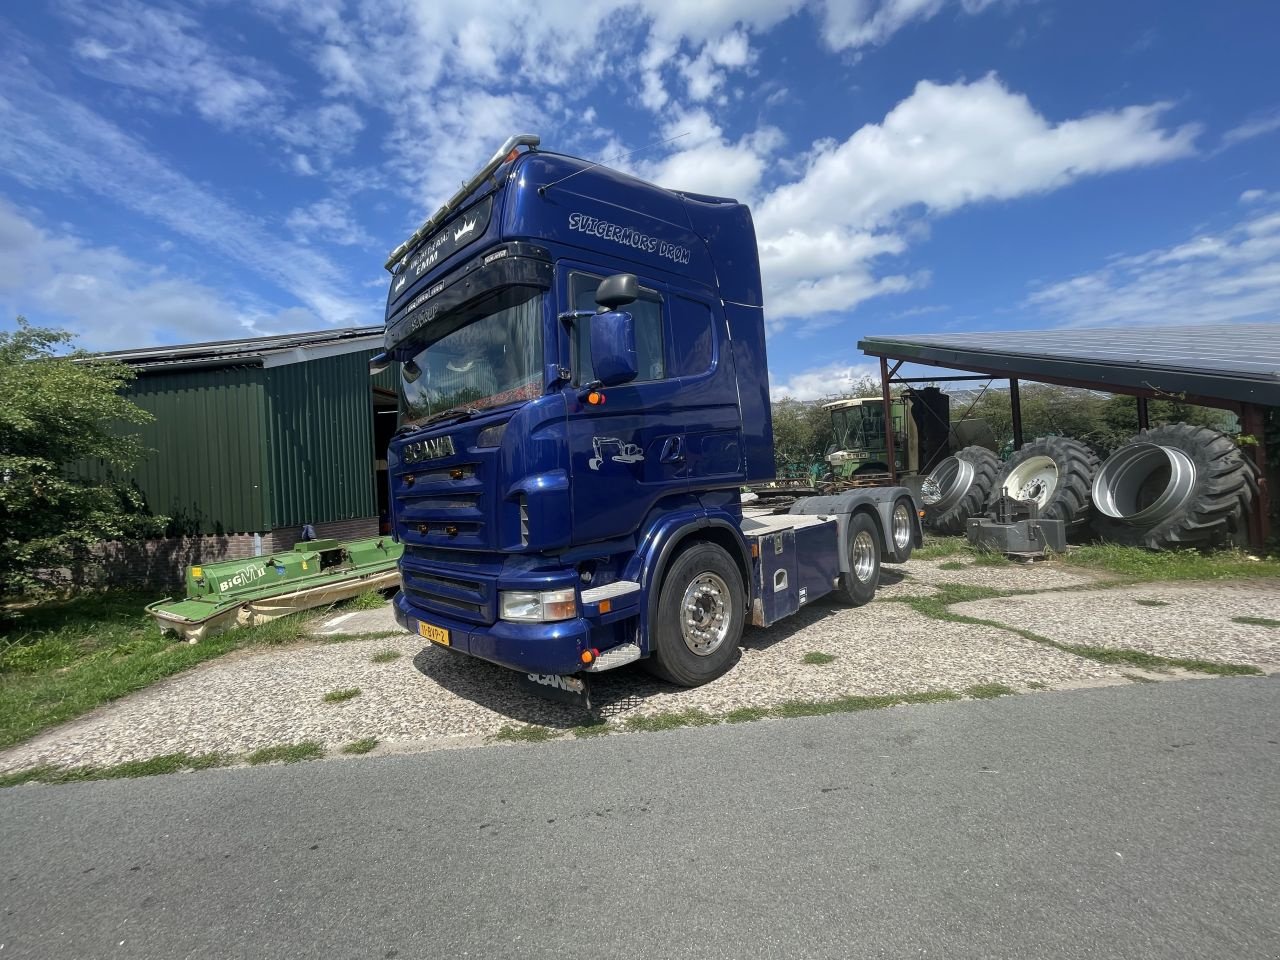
x: 947, y: 484
x: 705, y: 614
x: 1034, y: 479
x: 901, y: 526
x: 863, y: 560
x: 1144, y: 483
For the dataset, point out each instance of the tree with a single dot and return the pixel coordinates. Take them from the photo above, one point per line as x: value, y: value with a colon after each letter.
x: 63, y: 440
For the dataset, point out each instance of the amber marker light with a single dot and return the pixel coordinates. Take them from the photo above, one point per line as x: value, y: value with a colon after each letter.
x: 588, y: 656
x: 456, y: 473
x: 595, y: 398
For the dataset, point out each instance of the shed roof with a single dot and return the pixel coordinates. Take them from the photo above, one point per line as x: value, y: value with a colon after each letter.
x: 273, y: 351
x: 1237, y: 362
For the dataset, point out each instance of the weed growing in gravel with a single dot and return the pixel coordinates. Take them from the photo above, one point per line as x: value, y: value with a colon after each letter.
x: 169, y: 763
x: 937, y: 606
x: 1138, y: 564
x: 954, y: 565
x: 816, y: 658
x: 935, y: 548
x: 668, y: 721
x: 287, y: 753
x: 342, y: 696
x: 369, y: 600
x: 1037, y: 685
x: 385, y: 656
x: 989, y: 558
x: 525, y: 734
x: 746, y: 715
x: 1257, y: 621
x: 1148, y: 602
x: 363, y: 745
x: 988, y: 691
x: 596, y: 728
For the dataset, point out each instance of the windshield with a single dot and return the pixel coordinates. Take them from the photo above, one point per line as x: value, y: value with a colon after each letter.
x: 495, y: 358
x: 859, y: 427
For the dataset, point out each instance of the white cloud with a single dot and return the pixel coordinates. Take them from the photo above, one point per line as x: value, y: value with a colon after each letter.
x: 328, y: 221
x: 1253, y: 196
x: 54, y: 143
x: 829, y: 380
x: 112, y: 301
x: 851, y: 24
x: 942, y: 148
x: 1220, y: 277
x: 1257, y: 127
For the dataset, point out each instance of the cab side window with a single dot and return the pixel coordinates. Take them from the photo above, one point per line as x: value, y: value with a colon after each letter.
x: 647, y: 313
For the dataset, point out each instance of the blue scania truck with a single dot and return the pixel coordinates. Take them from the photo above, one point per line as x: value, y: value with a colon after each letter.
x: 584, y: 401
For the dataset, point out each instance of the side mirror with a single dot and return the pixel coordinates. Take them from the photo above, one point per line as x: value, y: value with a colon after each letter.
x: 613, y: 347
x: 378, y: 363
x: 410, y: 371
x: 617, y: 291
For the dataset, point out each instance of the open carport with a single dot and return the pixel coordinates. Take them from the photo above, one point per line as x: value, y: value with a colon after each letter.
x: 1234, y: 367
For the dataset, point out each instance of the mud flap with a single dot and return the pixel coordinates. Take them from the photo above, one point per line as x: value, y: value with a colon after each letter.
x: 572, y: 689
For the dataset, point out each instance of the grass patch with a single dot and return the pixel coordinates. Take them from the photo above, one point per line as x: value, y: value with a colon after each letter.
x: 341, y: 696
x: 953, y: 565
x: 746, y: 715
x: 369, y: 600
x: 286, y: 753
x: 61, y: 659
x: 524, y: 734
x: 816, y: 658
x: 1138, y: 678
x: 597, y: 728
x: 1257, y: 622
x: 938, y: 605
x: 385, y: 656
x: 1037, y: 685
x: 1139, y: 564
x: 937, y: 548
x: 669, y: 720
x: 989, y: 558
x: 988, y: 691
x: 1148, y: 602
x: 363, y: 745
x: 168, y: 763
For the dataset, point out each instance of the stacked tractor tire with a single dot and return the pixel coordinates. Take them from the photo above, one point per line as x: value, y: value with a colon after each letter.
x: 1168, y: 487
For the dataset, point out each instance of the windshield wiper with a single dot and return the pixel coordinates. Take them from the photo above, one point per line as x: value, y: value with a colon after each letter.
x: 457, y: 415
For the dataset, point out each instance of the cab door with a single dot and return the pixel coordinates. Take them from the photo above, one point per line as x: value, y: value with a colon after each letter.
x: 628, y: 452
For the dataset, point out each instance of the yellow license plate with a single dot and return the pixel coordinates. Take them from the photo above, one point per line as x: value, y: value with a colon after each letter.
x: 435, y: 634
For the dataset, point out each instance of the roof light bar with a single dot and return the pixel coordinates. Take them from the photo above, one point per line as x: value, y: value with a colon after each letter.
x: 498, y: 159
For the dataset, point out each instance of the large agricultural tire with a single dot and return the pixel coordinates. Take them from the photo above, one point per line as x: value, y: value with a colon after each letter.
x: 961, y: 484
x: 1174, y: 486
x: 1056, y: 473
x: 701, y: 613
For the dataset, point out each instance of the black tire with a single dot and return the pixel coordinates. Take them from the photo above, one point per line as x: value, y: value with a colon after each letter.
x: 904, y: 510
x: 858, y: 590
x: 1216, y: 504
x: 673, y: 658
x: 1068, y: 498
x: 973, y: 501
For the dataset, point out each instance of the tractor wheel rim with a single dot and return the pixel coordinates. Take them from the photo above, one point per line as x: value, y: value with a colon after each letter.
x: 1034, y: 479
x: 947, y: 484
x: 705, y: 614
x: 1144, y: 483
x: 901, y: 526
x: 864, y: 556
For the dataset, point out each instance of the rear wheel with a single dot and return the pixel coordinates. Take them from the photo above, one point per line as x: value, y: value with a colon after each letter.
x: 858, y: 586
x: 903, y: 530
x: 700, y: 617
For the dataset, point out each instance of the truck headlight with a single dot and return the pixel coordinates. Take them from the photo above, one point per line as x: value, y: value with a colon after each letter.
x: 533, y: 606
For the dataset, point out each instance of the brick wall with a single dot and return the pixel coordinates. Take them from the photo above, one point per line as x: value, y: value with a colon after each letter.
x: 160, y: 564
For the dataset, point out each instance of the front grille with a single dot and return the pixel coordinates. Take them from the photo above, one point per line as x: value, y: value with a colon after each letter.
x: 466, y: 598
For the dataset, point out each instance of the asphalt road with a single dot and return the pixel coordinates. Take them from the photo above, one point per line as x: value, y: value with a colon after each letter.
x: 1123, y: 822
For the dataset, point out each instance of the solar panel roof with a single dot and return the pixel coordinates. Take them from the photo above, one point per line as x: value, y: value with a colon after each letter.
x: 1238, y: 362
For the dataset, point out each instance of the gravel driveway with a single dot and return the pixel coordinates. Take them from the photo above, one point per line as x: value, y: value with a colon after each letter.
x: 427, y: 698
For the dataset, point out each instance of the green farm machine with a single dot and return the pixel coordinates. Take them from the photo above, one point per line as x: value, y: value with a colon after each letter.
x: 920, y: 421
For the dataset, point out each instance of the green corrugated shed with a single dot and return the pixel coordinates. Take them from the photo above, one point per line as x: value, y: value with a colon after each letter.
x: 320, y: 430
x: 208, y: 469
x: 257, y: 435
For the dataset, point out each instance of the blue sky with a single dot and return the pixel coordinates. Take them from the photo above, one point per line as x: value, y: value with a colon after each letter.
x: 175, y: 172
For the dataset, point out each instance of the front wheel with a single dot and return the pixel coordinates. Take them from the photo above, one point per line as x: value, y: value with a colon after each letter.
x: 858, y: 586
x: 700, y: 617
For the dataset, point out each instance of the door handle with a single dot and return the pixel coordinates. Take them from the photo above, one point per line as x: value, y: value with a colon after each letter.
x: 672, y: 450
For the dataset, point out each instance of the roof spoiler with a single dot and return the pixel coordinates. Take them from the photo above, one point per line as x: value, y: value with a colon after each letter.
x: 498, y: 159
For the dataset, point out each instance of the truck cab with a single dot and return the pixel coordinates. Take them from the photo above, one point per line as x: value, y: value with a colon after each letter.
x: 584, y: 392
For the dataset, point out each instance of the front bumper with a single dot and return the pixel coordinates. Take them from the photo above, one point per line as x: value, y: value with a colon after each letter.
x: 541, y: 648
